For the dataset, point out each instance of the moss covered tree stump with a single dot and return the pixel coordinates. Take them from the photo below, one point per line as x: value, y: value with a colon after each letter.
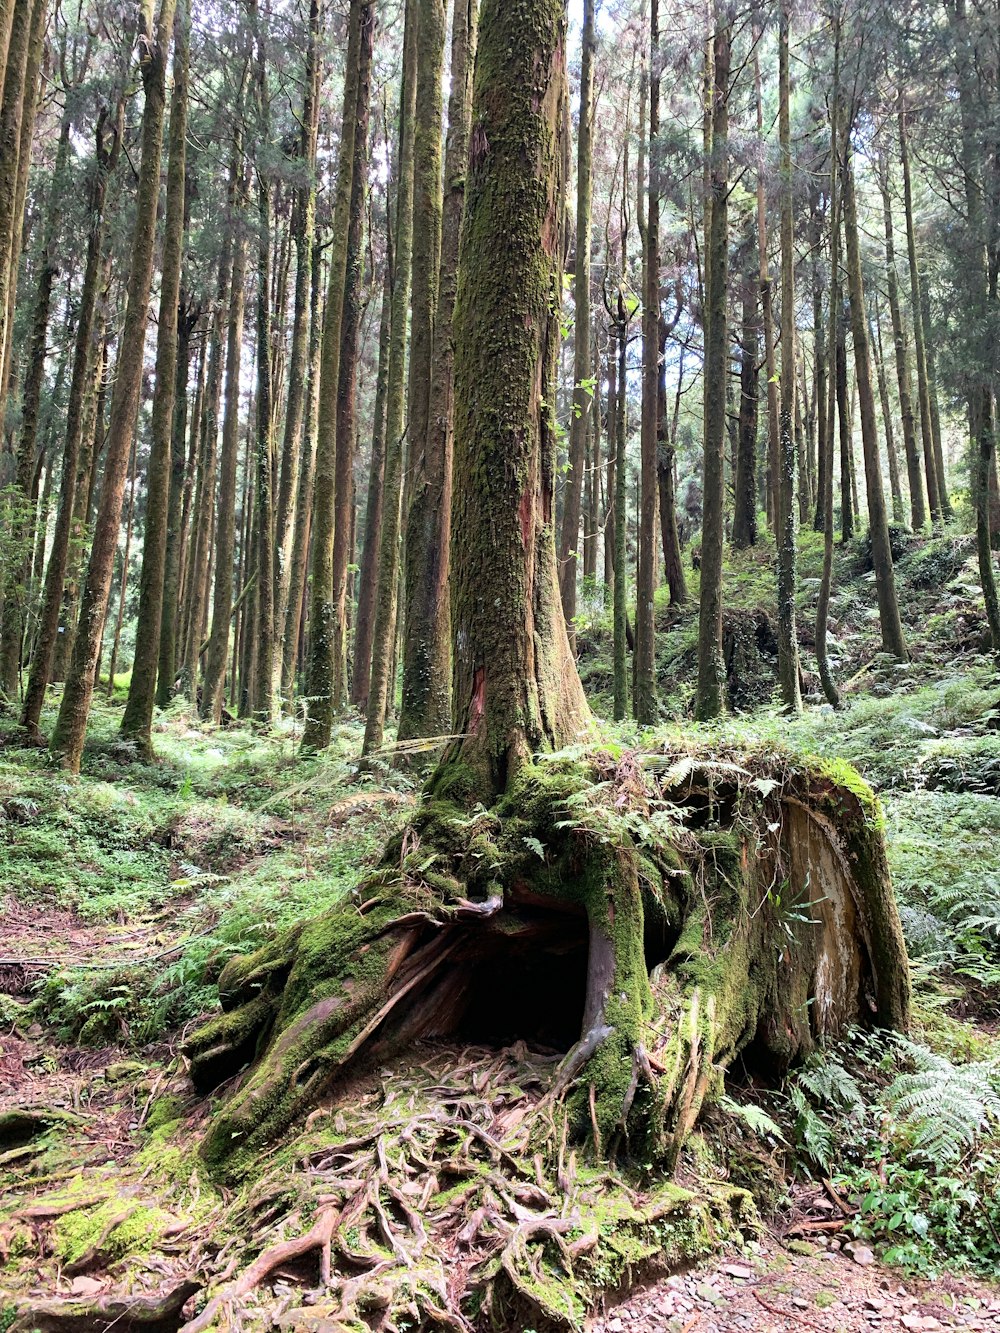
x: 655, y: 917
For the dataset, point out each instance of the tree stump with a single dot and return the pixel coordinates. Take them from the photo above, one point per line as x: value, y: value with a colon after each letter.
x: 653, y: 916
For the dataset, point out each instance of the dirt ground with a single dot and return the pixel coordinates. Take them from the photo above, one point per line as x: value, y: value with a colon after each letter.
x: 776, y: 1289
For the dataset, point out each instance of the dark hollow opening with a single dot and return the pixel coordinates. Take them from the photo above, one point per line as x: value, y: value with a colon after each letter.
x: 528, y: 989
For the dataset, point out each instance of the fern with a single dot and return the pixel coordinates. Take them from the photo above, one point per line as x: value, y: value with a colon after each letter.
x: 940, y: 1107
x: 754, y: 1117
x: 812, y: 1135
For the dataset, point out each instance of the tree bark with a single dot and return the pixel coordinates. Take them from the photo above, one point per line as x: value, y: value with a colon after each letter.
x: 426, y: 698
x: 745, y: 481
x: 644, y: 660
x: 878, y: 527
x: 709, y: 701
x: 325, y: 667
x: 71, y: 725
x: 225, y: 523
x: 516, y: 686
x: 138, y: 717
x: 919, y: 347
x: 569, y: 544
x: 383, y: 677
x: 294, y: 444
x: 918, y: 511
x: 786, y: 527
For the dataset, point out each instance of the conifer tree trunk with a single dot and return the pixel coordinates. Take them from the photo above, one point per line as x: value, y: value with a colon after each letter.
x: 343, y: 542
x: 745, y: 481
x: 225, y: 523
x: 17, y: 580
x: 569, y: 543
x: 666, y: 459
x: 611, y: 372
x: 325, y: 639
x: 262, y: 698
x: 709, y: 700
x: 918, y: 511
x: 820, y: 371
x: 295, y: 608
x: 138, y: 716
x: 16, y: 94
x: 786, y: 527
x: 645, y: 646
x: 68, y: 737
x: 122, y: 584
x: 885, y: 579
x: 621, y: 517
x: 170, y: 614
x: 767, y: 317
x: 516, y: 686
x: 365, y: 620
x: 426, y: 698
x: 895, y: 486
x: 202, y: 513
x: 919, y: 347
x: 383, y: 673
x: 982, y: 290
x: 829, y: 407
x: 303, y: 230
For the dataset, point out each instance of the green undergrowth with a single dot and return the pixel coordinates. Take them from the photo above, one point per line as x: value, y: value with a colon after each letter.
x: 175, y: 865
x: 908, y: 1131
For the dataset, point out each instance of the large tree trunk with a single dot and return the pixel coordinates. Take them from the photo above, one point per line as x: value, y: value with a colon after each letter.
x: 138, y: 718
x: 745, y: 479
x: 225, y: 523
x: 71, y: 725
x: 383, y: 674
x: 878, y: 524
x: 303, y: 229
x: 645, y: 584
x: 786, y: 527
x: 426, y: 703
x: 569, y: 544
x: 711, y: 673
x: 919, y: 346
x: 334, y: 451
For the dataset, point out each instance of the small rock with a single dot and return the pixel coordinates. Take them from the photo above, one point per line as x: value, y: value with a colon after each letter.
x: 615, y: 1326
x: 740, y: 1271
x: 705, y: 1292
x: 861, y: 1254
x: 85, y: 1286
x: 801, y: 1247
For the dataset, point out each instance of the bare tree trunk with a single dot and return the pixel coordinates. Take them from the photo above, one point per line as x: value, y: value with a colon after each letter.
x: 122, y: 585
x: 919, y: 347
x: 644, y: 701
x: 325, y: 639
x: 68, y: 737
x: 137, y: 720
x: 516, y: 687
x: 294, y: 444
x: 786, y: 527
x: 918, y: 512
x: 582, y: 366
x: 225, y: 524
x: 895, y: 487
x: 709, y: 701
x: 885, y: 579
x: 745, y: 478
x: 767, y: 315
x: 383, y: 675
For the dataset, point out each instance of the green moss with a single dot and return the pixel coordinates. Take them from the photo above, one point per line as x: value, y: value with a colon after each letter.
x: 164, y: 1111
x: 78, y: 1232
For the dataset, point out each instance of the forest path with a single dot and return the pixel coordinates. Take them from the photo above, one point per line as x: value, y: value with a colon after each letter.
x: 777, y: 1289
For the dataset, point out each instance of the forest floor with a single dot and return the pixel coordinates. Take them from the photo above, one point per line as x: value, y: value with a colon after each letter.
x: 123, y: 892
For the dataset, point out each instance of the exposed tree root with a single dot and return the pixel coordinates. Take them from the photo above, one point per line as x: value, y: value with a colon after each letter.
x: 125, y: 1314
